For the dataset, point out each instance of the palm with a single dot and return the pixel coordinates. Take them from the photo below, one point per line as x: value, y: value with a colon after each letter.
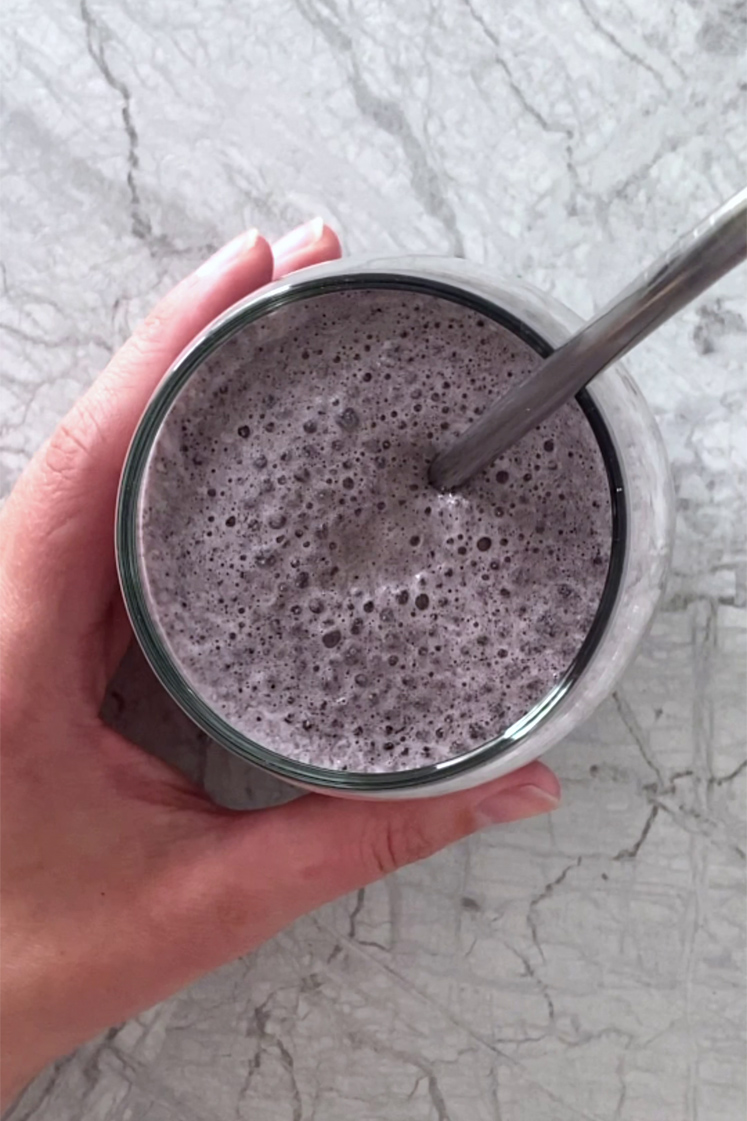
x: 120, y: 880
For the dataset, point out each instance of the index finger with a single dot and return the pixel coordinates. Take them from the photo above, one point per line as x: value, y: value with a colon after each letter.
x: 58, y: 524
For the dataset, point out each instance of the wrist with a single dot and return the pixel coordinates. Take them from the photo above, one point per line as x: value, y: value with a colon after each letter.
x: 28, y: 1036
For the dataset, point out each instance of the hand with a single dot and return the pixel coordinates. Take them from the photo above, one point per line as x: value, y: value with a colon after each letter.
x: 122, y: 882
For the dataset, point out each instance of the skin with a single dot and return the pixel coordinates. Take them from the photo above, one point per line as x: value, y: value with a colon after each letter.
x: 121, y: 882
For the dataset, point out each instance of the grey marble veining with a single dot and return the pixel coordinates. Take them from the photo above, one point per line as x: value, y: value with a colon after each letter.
x: 585, y: 966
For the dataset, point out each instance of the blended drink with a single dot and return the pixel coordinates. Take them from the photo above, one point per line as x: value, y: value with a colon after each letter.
x: 312, y: 587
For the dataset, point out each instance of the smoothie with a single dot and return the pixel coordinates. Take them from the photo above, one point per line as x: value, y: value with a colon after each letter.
x: 307, y: 581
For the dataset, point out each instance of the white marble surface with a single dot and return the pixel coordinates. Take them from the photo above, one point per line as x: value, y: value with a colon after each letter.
x: 588, y: 966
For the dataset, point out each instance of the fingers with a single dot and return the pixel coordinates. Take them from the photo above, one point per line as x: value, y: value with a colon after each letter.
x: 58, y: 525
x: 304, y: 246
x: 281, y: 863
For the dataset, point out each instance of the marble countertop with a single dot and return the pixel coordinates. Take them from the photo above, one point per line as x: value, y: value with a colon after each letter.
x: 587, y: 966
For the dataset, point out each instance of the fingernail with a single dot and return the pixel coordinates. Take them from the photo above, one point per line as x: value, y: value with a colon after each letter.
x: 300, y: 238
x: 231, y: 252
x: 514, y: 804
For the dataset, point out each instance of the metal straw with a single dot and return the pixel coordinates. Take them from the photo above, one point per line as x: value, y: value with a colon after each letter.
x: 694, y: 263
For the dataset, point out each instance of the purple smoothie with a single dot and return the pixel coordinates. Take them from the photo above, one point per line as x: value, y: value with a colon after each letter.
x: 309, y: 584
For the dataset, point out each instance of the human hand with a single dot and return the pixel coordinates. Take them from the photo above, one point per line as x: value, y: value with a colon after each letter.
x: 121, y: 881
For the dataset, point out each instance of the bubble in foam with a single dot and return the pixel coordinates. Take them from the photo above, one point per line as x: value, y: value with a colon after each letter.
x: 348, y: 419
x: 359, y: 599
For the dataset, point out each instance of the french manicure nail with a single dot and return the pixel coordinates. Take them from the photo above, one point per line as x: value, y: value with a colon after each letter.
x: 514, y: 804
x: 230, y: 252
x: 300, y: 238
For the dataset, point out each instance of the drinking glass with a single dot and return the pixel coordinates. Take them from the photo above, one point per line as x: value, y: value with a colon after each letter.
x: 642, y: 524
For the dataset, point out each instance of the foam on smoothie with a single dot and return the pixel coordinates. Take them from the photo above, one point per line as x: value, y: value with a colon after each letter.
x: 309, y: 583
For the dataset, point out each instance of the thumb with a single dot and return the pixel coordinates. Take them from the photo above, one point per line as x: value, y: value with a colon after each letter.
x: 280, y: 863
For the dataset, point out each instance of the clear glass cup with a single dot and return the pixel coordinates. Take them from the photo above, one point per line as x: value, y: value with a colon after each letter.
x: 643, y: 518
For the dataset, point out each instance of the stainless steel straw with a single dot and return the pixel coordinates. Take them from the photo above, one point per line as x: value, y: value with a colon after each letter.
x: 691, y: 265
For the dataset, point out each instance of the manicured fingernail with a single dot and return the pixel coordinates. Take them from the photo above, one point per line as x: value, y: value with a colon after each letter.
x: 231, y: 252
x: 300, y: 238
x: 514, y: 804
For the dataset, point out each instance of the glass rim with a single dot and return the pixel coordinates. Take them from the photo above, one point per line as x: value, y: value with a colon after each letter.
x: 132, y: 580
